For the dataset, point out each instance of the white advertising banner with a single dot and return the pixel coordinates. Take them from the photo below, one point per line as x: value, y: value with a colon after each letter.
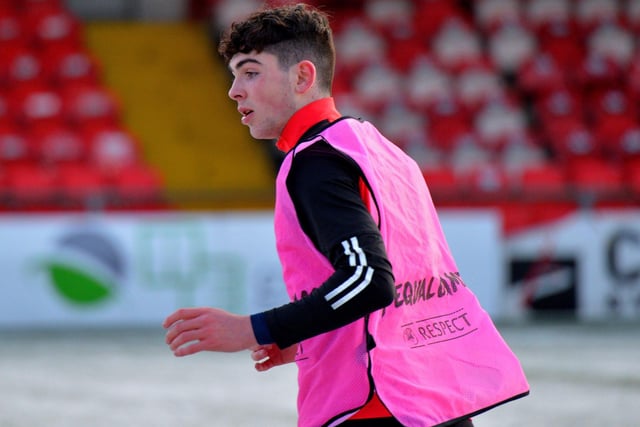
x: 588, y: 262
x: 134, y: 269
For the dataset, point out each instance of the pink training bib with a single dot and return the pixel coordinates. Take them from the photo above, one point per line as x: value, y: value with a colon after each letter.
x: 437, y: 355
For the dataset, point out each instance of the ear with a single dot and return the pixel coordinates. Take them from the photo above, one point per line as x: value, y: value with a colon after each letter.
x: 305, y: 76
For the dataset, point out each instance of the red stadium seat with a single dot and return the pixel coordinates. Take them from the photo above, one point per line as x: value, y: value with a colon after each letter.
x: 14, y: 145
x: 89, y: 105
x: 456, y: 45
x: 81, y: 185
x: 36, y: 105
x: 538, y: 13
x: 510, y: 46
x: 632, y: 177
x: 597, y: 178
x: 18, y: 65
x: 612, y: 41
x: 560, y: 39
x: 591, y: 13
x: 478, y: 84
x: 443, y: 183
x: 546, y: 181
x: 448, y: 122
x: 31, y: 186
x: 58, y: 143
x: 430, y: 15
x: 487, y: 183
x: 498, y: 122
x: 540, y: 75
x: 111, y: 148
x: 49, y: 23
x: 137, y: 186
x: 426, y: 83
x: 64, y: 65
x: 10, y: 27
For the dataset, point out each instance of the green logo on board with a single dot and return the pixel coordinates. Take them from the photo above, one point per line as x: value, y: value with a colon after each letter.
x: 86, y: 268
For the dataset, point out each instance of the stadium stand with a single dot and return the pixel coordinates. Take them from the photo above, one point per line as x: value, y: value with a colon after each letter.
x: 530, y: 106
x: 503, y: 103
x: 53, y: 104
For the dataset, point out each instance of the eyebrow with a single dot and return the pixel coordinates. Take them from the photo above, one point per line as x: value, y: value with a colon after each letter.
x: 245, y: 61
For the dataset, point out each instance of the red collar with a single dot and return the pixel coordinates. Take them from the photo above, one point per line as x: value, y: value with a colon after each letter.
x: 303, y: 119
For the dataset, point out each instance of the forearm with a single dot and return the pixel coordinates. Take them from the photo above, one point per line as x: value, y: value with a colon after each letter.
x: 313, y: 315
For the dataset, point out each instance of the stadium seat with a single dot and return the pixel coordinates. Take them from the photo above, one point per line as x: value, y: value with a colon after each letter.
x: 632, y: 178
x: 407, y: 51
x: 57, y: 144
x: 402, y: 125
x: 545, y: 181
x: 490, y: 14
x: 358, y: 46
x: 49, y: 23
x: 612, y: 41
x: 560, y: 39
x: 30, y: 186
x: 631, y: 15
x: 430, y: 15
x: 595, y: 73
x: 558, y: 113
x: 81, y: 186
x: 14, y: 145
x: 426, y: 83
x: 19, y: 65
x: 589, y: 14
x: 137, y: 186
x: 540, y: 75
x: 497, y: 122
x: 632, y: 82
x: 596, y: 179
x: 448, y: 122
x: 615, y: 118
x: 468, y: 154
x: 538, y: 13
x: 486, y: 183
x: 35, y: 105
x: 478, y: 84
x: 443, y: 183
x: 89, y: 105
x: 10, y: 26
x: 521, y: 151
x: 378, y: 85
x: 110, y: 148
x: 575, y: 142
x: 510, y: 45
x: 456, y: 45
x: 64, y: 65
x: 392, y: 19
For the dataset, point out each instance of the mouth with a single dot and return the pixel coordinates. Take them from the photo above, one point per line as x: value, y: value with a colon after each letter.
x: 245, y: 113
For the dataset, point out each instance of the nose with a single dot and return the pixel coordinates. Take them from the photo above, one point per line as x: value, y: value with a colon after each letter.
x: 235, y: 91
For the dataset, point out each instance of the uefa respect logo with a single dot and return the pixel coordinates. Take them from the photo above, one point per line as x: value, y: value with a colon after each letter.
x: 86, y: 268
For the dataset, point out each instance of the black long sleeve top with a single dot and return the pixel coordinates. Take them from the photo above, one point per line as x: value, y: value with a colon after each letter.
x: 325, y: 186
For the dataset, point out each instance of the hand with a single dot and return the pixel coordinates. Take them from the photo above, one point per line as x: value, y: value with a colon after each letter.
x: 191, y: 330
x: 269, y: 356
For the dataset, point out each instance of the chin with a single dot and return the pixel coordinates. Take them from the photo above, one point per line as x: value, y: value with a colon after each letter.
x: 263, y: 136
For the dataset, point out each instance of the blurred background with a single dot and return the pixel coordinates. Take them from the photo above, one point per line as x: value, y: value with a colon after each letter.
x: 129, y: 188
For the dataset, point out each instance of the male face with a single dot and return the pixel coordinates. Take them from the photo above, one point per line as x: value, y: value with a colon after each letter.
x: 264, y: 93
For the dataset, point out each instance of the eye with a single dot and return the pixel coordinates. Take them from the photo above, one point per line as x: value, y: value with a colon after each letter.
x: 250, y: 74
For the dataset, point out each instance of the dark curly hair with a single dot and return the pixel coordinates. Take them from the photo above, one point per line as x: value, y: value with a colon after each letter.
x: 292, y: 33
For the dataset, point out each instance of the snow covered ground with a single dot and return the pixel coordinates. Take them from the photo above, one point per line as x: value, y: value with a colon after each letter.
x: 581, y: 375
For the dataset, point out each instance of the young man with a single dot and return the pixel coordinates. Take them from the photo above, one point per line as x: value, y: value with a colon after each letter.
x: 381, y: 325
